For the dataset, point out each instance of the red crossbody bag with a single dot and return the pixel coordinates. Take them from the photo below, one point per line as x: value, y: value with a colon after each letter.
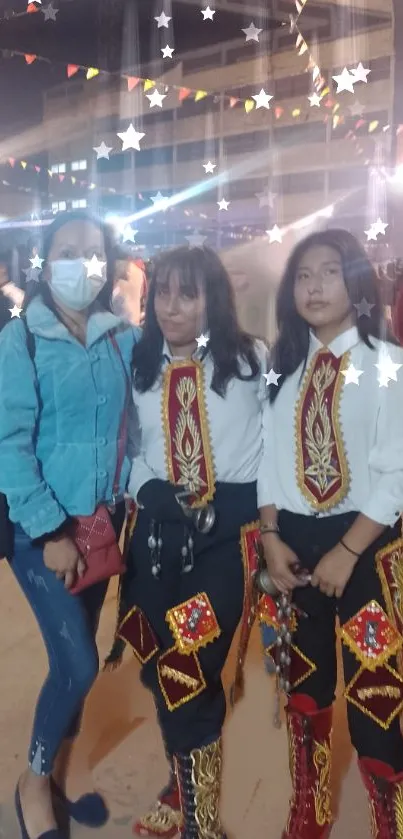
x: 94, y: 535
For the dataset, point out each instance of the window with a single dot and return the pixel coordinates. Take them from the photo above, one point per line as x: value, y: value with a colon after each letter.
x: 58, y: 206
x: 79, y: 204
x: 78, y: 165
x: 58, y: 169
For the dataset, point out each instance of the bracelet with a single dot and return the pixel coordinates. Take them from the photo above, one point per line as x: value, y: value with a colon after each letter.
x: 270, y: 527
x: 354, y: 553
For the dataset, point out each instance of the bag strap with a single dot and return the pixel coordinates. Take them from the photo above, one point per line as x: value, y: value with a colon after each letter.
x: 30, y: 338
x: 124, y: 421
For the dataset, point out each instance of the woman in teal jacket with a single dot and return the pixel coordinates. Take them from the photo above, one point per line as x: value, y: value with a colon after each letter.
x: 64, y: 386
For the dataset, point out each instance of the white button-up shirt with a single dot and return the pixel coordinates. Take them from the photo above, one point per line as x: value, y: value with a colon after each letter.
x: 235, y: 425
x: 371, y: 426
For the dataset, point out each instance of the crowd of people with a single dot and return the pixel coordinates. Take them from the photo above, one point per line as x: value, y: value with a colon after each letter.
x: 212, y: 457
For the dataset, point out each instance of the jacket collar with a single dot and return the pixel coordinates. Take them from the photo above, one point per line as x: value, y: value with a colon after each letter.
x: 42, y: 321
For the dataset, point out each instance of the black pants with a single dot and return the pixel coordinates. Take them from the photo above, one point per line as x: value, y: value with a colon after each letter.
x: 315, y: 636
x: 218, y: 572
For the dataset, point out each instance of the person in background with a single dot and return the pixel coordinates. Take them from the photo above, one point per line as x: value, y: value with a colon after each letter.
x: 198, y: 392
x: 59, y: 446
x: 330, y: 493
x: 6, y: 528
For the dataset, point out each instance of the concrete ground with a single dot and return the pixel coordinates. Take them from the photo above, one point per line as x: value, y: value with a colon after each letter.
x: 120, y: 744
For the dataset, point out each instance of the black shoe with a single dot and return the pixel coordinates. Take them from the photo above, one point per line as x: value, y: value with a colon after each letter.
x: 89, y: 810
x: 49, y: 834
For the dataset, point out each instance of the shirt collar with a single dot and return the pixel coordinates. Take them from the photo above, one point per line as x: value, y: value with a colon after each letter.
x: 198, y: 354
x: 340, y: 345
x: 42, y: 321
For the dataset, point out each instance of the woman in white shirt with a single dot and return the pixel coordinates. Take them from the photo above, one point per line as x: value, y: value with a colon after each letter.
x: 330, y: 493
x: 198, y: 394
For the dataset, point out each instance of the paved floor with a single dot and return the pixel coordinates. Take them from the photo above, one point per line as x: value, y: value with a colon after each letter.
x: 121, y: 747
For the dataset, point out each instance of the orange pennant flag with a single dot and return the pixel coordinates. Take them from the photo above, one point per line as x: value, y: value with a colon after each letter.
x: 31, y: 8
x: 278, y: 112
x: 233, y: 101
x: 11, y: 161
x: 61, y: 178
x: 184, y: 93
x: 37, y: 168
x: 92, y: 72
x: 30, y: 58
x: 132, y: 82
x: 72, y: 69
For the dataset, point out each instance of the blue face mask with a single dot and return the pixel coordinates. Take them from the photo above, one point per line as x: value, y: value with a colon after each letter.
x: 71, y: 286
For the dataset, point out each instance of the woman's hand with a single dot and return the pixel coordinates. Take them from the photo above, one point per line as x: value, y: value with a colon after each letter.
x: 281, y: 561
x: 333, y: 572
x: 62, y: 556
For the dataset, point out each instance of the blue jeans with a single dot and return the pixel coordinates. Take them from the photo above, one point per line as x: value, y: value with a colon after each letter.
x: 68, y: 624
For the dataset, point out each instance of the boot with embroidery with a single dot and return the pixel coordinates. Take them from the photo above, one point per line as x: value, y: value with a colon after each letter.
x: 309, y: 737
x: 385, y: 793
x: 199, y: 777
x: 164, y: 818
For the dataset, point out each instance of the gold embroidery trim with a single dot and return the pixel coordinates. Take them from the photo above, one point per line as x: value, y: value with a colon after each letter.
x: 206, y: 780
x: 161, y: 819
x: 398, y: 810
x: 366, y: 711
x: 141, y: 618
x: 308, y: 661
x: 321, y: 793
x: 203, y: 442
x: 394, y: 605
x: 182, y: 678
x: 187, y: 646
x: 334, y: 422
x: 371, y: 663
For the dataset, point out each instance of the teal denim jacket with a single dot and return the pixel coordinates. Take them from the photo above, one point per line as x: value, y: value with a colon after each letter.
x: 60, y: 416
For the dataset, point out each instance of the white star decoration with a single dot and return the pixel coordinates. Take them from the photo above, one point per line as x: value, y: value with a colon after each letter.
x: 160, y: 201
x: 262, y: 99
x: 102, y: 151
x: 131, y: 138
x: 271, y: 377
x: 49, y: 12
x: 345, y: 81
x: 356, y: 109
x: 208, y: 14
x: 15, y: 312
x: 266, y: 199
x: 275, y: 235
x: 202, y: 341
x: 167, y: 51
x: 352, y: 375
x: 128, y: 234
x: 94, y: 267
x: 156, y: 99
x: 363, y: 308
x: 378, y: 228
x: 37, y: 262
x: 196, y: 240
x: 223, y: 204
x: 387, y: 369
x: 162, y: 20
x: 252, y: 32
x: 360, y: 73
x: 314, y: 100
x: 209, y: 167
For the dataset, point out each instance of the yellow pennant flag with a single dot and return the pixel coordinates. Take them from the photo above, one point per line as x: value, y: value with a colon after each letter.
x: 373, y: 126
x: 200, y: 94
x: 92, y: 72
x: 296, y: 112
x: 24, y: 164
x: 73, y: 179
x: 148, y: 84
x: 249, y: 105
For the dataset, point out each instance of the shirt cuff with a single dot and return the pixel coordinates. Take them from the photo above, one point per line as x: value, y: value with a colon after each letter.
x: 380, y: 512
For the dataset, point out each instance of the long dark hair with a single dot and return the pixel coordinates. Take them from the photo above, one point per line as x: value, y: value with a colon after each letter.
x: 196, y: 268
x: 361, y: 281
x: 42, y: 288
